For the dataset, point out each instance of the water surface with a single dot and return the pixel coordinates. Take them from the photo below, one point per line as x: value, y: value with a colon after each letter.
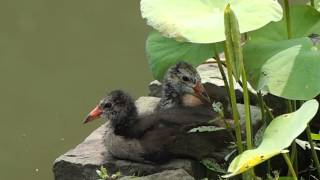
x: 57, y: 59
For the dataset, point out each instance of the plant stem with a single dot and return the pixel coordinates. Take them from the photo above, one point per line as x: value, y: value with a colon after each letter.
x: 294, y: 145
x: 287, y: 159
x: 296, y: 164
x: 269, y: 166
x: 269, y: 113
x: 314, y: 153
x: 294, y: 105
x: 263, y: 112
x: 226, y: 85
x: 247, y: 109
x: 289, y: 106
x: 235, y: 112
x: 223, y: 75
x: 293, y: 156
x: 246, y: 36
x: 312, y: 3
x: 247, y: 113
x: 233, y: 53
x: 234, y: 60
x: 288, y: 19
x: 264, y: 119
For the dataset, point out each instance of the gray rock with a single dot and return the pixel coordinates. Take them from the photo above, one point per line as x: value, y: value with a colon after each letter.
x: 210, y: 73
x: 155, y: 88
x: 147, y: 104
x: 213, y: 82
x: 178, y: 174
x: 82, y: 162
x: 255, y: 118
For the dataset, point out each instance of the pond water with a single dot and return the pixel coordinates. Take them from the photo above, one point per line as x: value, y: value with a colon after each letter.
x: 57, y: 59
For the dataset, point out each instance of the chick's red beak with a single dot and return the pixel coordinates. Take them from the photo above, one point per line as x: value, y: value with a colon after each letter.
x: 201, y: 92
x: 94, y: 114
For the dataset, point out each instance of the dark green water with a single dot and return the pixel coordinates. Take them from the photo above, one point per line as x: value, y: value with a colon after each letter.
x: 57, y: 59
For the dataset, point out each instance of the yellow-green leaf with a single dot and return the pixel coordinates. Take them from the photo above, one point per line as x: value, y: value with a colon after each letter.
x: 278, y: 135
x: 315, y: 136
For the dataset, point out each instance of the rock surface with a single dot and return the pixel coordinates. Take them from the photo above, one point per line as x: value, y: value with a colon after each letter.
x: 178, y: 174
x: 83, y: 161
x: 210, y: 73
x: 155, y: 88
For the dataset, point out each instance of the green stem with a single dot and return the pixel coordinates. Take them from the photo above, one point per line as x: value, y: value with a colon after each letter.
x: 264, y: 119
x: 314, y: 153
x: 293, y: 156
x: 225, y: 80
x: 234, y: 107
x: 296, y: 165
x: 312, y: 3
x: 288, y: 19
x: 294, y: 145
x: 223, y: 75
x: 289, y: 106
x: 294, y: 105
x: 247, y: 109
x: 263, y: 112
x: 269, y: 113
x: 247, y: 113
x: 289, y: 35
x: 246, y: 36
x: 269, y: 166
x: 287, y: 159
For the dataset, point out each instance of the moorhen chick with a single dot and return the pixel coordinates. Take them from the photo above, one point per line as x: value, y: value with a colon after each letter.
x: 154, y: 137
x: 182, y: 87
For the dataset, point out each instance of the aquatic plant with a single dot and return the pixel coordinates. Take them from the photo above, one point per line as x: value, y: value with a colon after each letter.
x: 274, y: 49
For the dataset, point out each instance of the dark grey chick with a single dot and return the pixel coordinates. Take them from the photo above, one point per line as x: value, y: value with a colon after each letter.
x: 182, y: 87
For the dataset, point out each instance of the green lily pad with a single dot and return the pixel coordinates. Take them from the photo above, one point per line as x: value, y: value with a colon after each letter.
x: 305, y: 20
x: 278, y: 135
x: 317, y: 4
x: 288, y: 68
x: 163, y: 52
x: 202, y: 21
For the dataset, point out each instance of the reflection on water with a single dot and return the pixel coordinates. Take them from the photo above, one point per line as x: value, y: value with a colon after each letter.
x: 57, y: 58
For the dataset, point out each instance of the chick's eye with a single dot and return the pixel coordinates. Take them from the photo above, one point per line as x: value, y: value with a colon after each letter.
x: 108, y: 105
x: 185, y: 78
